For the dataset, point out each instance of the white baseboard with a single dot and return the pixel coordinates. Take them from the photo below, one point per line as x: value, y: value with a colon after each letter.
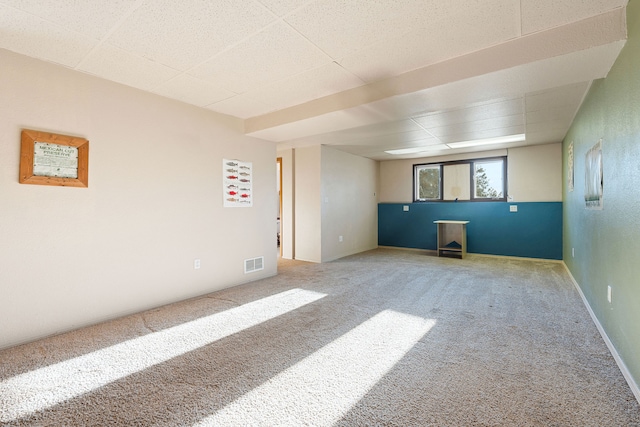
x: 623, y: 368
x: 518, y: 258
x: 434, y: 252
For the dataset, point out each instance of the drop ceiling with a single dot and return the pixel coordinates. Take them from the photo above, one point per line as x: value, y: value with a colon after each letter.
x: 363, y: 76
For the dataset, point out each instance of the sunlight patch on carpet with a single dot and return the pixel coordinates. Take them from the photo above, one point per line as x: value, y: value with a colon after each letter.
x: 323, y: 387
x: 36, y: 390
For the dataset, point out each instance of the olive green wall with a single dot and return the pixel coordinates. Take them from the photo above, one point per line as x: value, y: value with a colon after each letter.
x: 607, y: 241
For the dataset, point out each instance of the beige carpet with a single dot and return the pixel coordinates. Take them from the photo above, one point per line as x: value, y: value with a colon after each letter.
x: 383, y: 338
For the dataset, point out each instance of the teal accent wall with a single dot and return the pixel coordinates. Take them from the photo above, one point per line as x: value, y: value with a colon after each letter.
x: 607, y: 241
x: 534, y: 231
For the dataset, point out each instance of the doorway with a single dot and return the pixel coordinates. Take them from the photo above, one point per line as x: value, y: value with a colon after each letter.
x: 279, y: 218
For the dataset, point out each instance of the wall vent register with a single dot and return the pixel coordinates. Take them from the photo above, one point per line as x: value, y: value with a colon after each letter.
x: 253, y: 264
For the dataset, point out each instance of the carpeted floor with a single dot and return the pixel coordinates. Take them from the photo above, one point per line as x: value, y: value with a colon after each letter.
x: 384, y: 338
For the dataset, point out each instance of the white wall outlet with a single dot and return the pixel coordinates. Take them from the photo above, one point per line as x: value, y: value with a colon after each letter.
x: 196, y: 264
x: 609, y: 294
x: 339, y: 238
x: 573, y: 252
x: 405, y: 208
x: 513, y: 208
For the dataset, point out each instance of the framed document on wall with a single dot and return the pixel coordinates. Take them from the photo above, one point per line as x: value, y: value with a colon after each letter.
x: 53, y: 159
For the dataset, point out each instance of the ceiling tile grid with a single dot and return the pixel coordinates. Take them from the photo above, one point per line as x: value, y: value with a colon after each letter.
x: 470, y: 126
x: 183, y: 34
x: 33, y: 36
x: 283, y: 7
x: 539, y: 15
x: 192, y: 91
x: 569, y: 96
x: 470, y: 134
x: 379, y: 130
x: 275, y: 53
x: 254, y: 58
x: 313, y: 84
x: 121, y: 66
x: 242, y: 106
x: 341, y: 27
x: 474, y: 112
x: 91, y: 18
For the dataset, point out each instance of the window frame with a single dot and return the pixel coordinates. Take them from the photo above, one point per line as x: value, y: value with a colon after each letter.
x: 415, y: 181
x: 472, y: 181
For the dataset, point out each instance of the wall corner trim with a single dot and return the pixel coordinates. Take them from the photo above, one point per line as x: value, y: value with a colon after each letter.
x: 623, y: 368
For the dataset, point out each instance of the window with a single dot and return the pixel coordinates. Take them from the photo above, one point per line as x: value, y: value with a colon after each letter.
x: 456, y: 178
x: 488, y: 177
x: 427, y: 178
x: 476, y: 180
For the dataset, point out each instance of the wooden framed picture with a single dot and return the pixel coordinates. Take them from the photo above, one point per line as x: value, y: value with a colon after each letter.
x: 53, y: 159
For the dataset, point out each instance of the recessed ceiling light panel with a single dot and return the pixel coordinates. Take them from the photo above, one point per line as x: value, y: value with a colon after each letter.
x: 487, y: 141
x: 422, y: 149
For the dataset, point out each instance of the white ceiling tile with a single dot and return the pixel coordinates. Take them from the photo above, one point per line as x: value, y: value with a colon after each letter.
x: 283, y: 7
x: 559, y: 124
x: 30, y: 35
x: 478, y: 125
x: 481, y: 111
x: 546, y: 136
x: 552, y: 113
x: 538, y: 15
x: 282, y: 53
x: 367, y: 150
x: 570, y: 96
x: 242, y: 106
x: 115, y: 64
x: 482, y: 134
x: 400, y: 140
x: 185, y: 33
x: 338, y: 120
x: 407, y: 105
x: 193, y: 91
x: 377, y: 129
x: 307, y: 86
x: 91, y: 18
x: 395, y: 140
x: 362, y: 134
x: 273, y: 54
x: 475, y: 27
x: 341, y: 27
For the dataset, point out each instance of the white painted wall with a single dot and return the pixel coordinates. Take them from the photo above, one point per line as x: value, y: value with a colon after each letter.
x: 308, y: 218
x: 534, y: 174
x: 70, y: 257
x: 335, y: 194
x: 349, y: 204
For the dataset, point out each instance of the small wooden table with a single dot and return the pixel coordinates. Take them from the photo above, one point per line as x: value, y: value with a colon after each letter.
x: 452, y: 237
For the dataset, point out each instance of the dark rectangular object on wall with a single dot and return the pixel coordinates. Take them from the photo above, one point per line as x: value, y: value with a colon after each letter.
x: 534, y: 231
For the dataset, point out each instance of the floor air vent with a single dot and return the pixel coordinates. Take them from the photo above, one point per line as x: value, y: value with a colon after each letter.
x: 253, y: 264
